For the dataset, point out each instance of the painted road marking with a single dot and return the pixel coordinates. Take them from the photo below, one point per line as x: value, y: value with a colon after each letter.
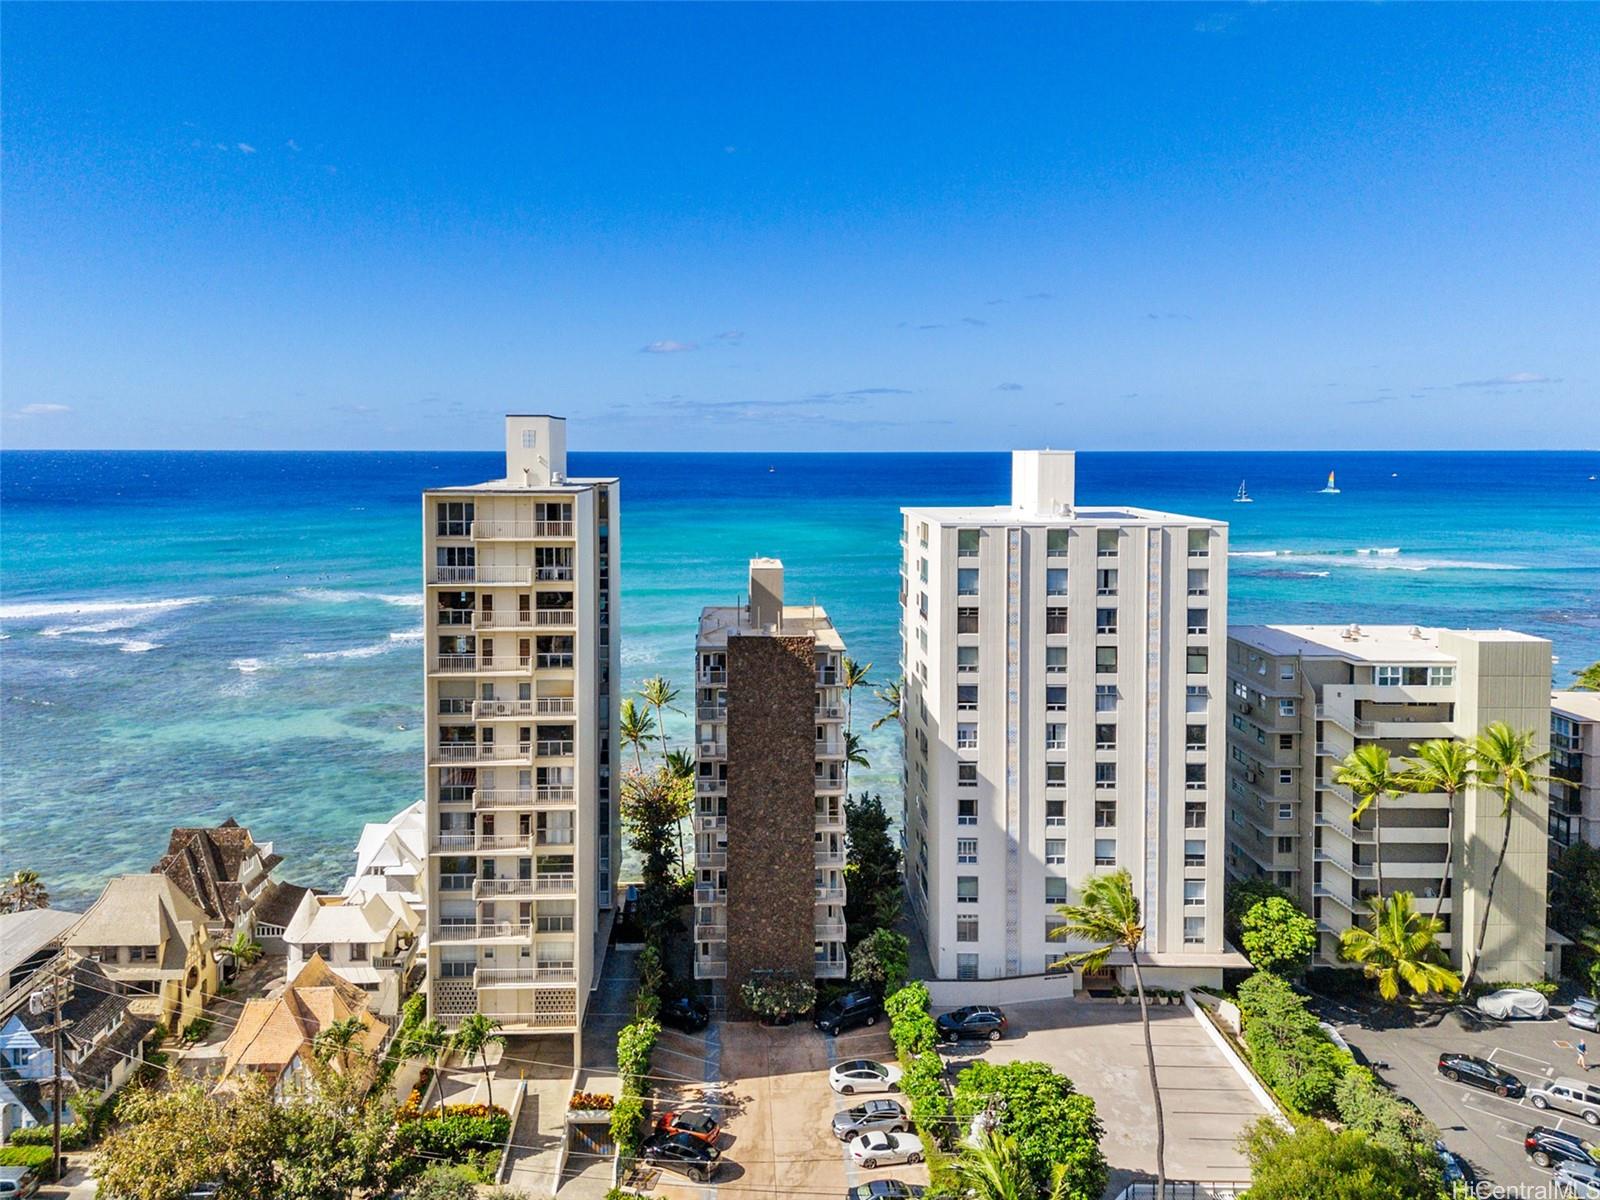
x: 1514, y: 1054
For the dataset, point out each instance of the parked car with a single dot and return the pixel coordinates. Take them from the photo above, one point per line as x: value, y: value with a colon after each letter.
x: 975, y: 1021
x: 1548, y: 1146
x: 685, y: 1013
x: 1573, y: 1178
x: 1584, y: 1013
x: 1514, y: 1004
x: 17, y: 1182
x: 681, y: 1152
x: 1575, y: 1096
x: 864, y: 1075
x: 880, y: 1116
x: 696, y: 1124
x: 884, y: 1189
x: 885, y: 1149
x: 1453, y: 1167
x: 848, y: 1011
x: 1480, y: 1073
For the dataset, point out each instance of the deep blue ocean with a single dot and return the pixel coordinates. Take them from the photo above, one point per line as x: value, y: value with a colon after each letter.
x: 189, y: 636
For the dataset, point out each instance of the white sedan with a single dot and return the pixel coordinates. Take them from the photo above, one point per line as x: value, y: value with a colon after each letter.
x: 1510, y: 1004
x: 864, y: 1075
x: 879, y: 1149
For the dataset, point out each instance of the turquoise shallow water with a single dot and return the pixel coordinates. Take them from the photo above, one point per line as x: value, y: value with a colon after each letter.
x: 191, y: 636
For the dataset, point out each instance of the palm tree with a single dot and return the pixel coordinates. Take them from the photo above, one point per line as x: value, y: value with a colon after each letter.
x: 853, y: 753
x: 1508, y: 763
x: 24, y: 890
x: 994, y: 1170
x: 1367, y: 772
x: 1588, y: 679
x: 336, y: 1040
x: 1442, y: 767
x: 1401, y: 947
x: 245, y: 949
x: 473, y: 1038
x: 890, y: 694
x: 634, y: 727
x: 853, y: 675
x: 660, y: 695
x: 1109, y: 920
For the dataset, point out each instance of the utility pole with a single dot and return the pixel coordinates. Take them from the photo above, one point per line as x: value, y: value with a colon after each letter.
x: 38, y: 1002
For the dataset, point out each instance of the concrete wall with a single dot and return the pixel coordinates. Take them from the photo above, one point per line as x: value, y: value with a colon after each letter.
x: 772, y: 685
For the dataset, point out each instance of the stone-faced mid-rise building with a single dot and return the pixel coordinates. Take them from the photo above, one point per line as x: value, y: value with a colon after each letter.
x: 769, y: 816
x: 522, y: 672
x: 1062, y: 707
x: 1302, y: 697
x: 1574, y: 769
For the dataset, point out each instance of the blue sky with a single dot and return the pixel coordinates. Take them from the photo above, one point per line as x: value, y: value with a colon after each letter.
x: 787, y: 227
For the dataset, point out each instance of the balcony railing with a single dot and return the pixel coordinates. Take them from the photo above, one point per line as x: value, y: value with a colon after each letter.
x: 829, y: 818
x: 519, y: 530
x: 484, y: 710
x: 710, y: 787
x: 830, y: 712
x: 389, y: 962
x: 829, y: 783
x: 710, y: 933
x: 828, y: 749
x: 471, y: 931
x: 714, y: 860
x: 539, y: 885
x: 711, y: 712
x: 705, y: 822
x: 830, y: 931
x: 829, y: 894
x: 706, y: 968
x: 511, y: 976
x: 704, y: 893
x: 826, y: 969
x: 552, y: 574
x: 540, y: 797
x: 711, y: 750
x: 712, y: 678
x: 830, y: 858
x: 479, y: 574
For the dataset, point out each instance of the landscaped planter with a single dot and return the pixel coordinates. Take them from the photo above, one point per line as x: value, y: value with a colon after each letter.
x: 588, y: 1116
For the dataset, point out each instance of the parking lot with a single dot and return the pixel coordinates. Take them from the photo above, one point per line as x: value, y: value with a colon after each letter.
x: 770, y: 1089
x: 1484, y: 1128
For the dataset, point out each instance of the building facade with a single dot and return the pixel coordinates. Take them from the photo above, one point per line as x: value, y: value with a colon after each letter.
x: 1574, y: 769
x: 522, y: 672
x: 769, y: 815
x: 1302, y: 697
x: 1062, y: 709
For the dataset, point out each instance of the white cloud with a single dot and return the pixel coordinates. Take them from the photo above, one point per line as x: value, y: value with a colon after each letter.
x: 42, y: 410
x: 1511, y: 380
x: 293, y: 145
x: 246, y: 148
x: 668, y: 347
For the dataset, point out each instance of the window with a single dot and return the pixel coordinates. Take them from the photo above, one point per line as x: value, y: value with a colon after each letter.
x: 1055, y: 581
x: 1285, y: 812
x: 529, y: 439
x: 358, y: 952
x: 1105, y: 775
x: 1286, y: 741
x: 966, y: 889
x: 922, y: 533
x: 1105, y: 852
x: 1055, y: 810
x: 1055, y: 660
x: 922, y: 605
x: 1055, y: 542
x: 1105, y: 581
x: 1194, y: 737
x: 966, y: 620
x: 1055, y: 774
x: 1105, y: 697
x: 1286, y: 708
x: 967, y: 736
x: 1196, y: 698
x: 966, y: 929
x: 1105, y: 620
x: 1286, y: 845
x: 1055, y: 699
x: 1194, y: 814
x: 967, y: 811
x: 966, y: 850
x: 1194, y: 776
x: 1105, y: 737
x: 1055, y: 890
x: 966, y: 658
x: 966, y: 966
x: 1441, y: 676
x: 139, y: 954
x: 1285, y: 774
x: 1199, y: 542
x: 967, y: 542
x: 1387, y: 677
x: 1199, y: 660
x: 967, y: 581
x: 1055, y: 736
x: 1194, y: 893
x: 1194, y: 852
x: 1055, y: 852
x: 967, y: 774
x: 1199, y: 582
x: 1199, y: 621
x: 1105, y: 541
x: 1105, y: 814
x: 1055, y: 620
x: 1194, y: 931
x: 1105, y: 660
x: 966, y: 697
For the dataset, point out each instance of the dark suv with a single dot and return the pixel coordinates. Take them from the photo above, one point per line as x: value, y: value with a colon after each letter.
x: 848, y: 1011
x: 1546, y: 1146
x: 1479, y: 1073
x: 975, y: 1021
x: 685, y: 1013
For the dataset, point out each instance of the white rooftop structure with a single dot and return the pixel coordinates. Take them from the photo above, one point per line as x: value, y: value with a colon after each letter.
x: 1581, y: 706
x: 1365, y: 643
x: 392, y: 856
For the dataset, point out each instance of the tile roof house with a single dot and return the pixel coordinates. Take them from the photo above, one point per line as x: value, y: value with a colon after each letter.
x: 368, y: 940
x: 225, y: 871
x: 277, y: 1037
x: 153, y: 943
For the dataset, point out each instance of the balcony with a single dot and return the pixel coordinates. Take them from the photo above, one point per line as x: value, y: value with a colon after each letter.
x: 552, y: 574
x: 470, y: 931
x: 712, y: 678
x: 705, y: 893
x: 539, y: 797
x: 829, y: 783
x: 708, y: 968
x: 705, y: 822
x: 451, y: 576
x: 830, y: 712
x: 544, y: 618
x: 540, y: 885
x: 519, y: 531
x: 711, y: 712
x: 829, y: 818
x: 390, y: 962
x: 488, y: 710
x: 713, y: 751
x: 830, y: 858
x: 710, y: 933
x: 456, y: 882
x: 710, y: 787
x: 826, y: 969
x: 711, y: 860
x: 829, y: 749
x: 830, y: 894
x: 488, y: 977
x: 830, y: 931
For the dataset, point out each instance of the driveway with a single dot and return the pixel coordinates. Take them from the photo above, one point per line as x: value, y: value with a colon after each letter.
x: 770, y: 1088
x: 1486, y: 1129
x: 1100, y: 1047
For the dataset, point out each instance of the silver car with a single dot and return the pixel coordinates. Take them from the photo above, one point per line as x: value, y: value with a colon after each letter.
x: 875, y: 1116
x: 1578, y: 1179
x: 1576, y: 1096
x: 1584, y: 1013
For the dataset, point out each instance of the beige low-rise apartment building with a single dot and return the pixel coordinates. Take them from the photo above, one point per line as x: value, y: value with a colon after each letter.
x: 1574, y: 769
x: 1302, y: 697
x: 769, y: 805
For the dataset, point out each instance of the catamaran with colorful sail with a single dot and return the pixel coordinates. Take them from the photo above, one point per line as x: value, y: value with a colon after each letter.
x: 1330, y: 490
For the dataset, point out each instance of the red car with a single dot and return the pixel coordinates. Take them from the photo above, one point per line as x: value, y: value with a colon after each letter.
x: 697, y: 1125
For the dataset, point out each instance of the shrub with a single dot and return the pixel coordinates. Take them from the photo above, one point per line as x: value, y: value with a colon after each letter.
x: 591, y: 1101
x: 778, y: 996
x: 37, y: 1157
x: 923, y: 1085
x: 197, y: 1029
x: 1316, y: 1161
x: 1365, y: 1104
x: 911, y: 998
x: 627, y: 1124
x: 443, y: 1182
x: 1544, y: 987
x: 73, y: 1137
x: 1051, y: 1121
x: 1287, y: 1048
x: 457, y: 1132
x: 635, y: 1044
x: 881, y: 960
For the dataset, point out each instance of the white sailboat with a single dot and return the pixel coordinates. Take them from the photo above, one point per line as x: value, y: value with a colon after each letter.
x: 1330, y: 490
x: 1242, y: 497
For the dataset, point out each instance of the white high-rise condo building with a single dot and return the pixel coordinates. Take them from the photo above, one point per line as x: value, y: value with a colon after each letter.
x: 522, y: 675
x: 1302, y: 697
x: 1063, y: 716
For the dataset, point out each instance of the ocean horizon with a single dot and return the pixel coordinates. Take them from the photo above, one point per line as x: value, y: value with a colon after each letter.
x: 191, y: 635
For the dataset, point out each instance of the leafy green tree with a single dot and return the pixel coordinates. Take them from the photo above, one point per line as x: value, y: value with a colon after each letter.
x: 659, y: 695
x: 1587, y: 679
x: 1370, y: 776
x: 474, y: 1036
x: 1401, y: 948
x: 1365, y: 1104
x: 853, y: 753
x: 1443, y: 767
x: 1239, y: 897
x: 1315, y: 1161
x: 881, y: 961
x: 654, y: 803
x: 1050, y: 1121
x: 24, y: 890
x: 1108, y: 919
x: 1508, y: 763
x: 1276, y: 936
x: 873, y: 888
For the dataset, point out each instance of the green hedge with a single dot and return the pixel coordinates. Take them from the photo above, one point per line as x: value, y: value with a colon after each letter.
x: 37, y: 1157
x: 911, y: 1024
x: 1287, y: 1048
x: 627, y: 1123
x: 922, y: 1082
x: 73, y: 1137
x: 636, y: 1043
x: 457, y: 1134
